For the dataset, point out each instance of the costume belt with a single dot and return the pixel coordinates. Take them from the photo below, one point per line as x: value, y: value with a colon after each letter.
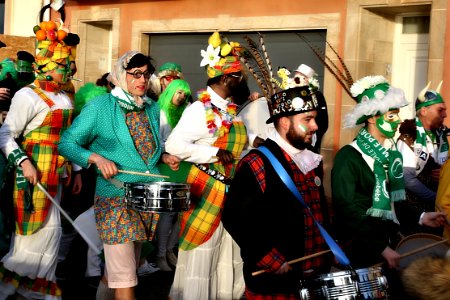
x: 214, y: 174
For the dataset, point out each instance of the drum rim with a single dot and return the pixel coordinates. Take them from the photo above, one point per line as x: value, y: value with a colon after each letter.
x: 160, y: 183
x: 420, y: 235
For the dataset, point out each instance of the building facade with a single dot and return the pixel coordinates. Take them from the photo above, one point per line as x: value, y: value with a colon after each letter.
x: 403, y: 40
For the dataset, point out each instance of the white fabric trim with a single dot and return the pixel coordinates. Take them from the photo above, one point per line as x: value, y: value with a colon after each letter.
x: 190, y: 140
x: 394, y: 98
x: 305, y: 160
x: 27, y: 112
x: 195, y: 277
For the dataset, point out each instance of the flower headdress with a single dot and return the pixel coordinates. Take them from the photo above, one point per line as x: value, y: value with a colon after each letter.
x: 375, y: 96
x: 221, y: 56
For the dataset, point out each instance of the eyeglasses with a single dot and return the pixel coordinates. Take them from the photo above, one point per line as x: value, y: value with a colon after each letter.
x: 170, y: 78
x: 138, y: 74
x: 239, y: 76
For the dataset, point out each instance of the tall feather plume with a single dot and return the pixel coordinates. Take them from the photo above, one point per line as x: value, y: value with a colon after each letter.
x: 266, y: 57
x: 344, y: 66
x: 344, y: 79
x: 256, y: 60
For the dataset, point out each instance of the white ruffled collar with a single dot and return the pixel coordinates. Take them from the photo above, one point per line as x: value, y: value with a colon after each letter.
x: 305, y: 160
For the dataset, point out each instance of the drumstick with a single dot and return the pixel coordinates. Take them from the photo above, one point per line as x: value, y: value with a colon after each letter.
x: 423, y: 248
x: 296, y: 260
x: 143, y: 174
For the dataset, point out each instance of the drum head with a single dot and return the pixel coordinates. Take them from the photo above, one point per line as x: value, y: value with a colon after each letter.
x: 417, y: 241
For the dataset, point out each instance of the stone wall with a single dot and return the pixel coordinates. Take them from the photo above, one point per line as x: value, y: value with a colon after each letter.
x: 15, y: 44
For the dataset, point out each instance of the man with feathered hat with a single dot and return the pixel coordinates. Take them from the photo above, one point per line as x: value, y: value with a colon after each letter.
x: 424, y: 146
x: 367, y: 177
x: 40, y: 112
x: 209, y: 135
x: 269, y: 224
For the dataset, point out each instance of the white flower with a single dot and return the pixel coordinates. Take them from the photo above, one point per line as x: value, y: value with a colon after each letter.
x: 210, y: 56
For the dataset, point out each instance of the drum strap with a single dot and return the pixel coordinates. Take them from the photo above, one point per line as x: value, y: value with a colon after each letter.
x: 287, y: 180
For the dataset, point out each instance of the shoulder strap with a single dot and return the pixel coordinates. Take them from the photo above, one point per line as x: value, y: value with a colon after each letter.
x: 43, y: 96
x: 287, y: 180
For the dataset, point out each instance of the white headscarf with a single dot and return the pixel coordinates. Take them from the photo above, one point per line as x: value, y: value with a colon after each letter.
x: 118, y: 76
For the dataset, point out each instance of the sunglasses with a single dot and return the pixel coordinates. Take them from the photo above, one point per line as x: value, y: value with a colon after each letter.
x: 170, y: 78
x: 138, y: 74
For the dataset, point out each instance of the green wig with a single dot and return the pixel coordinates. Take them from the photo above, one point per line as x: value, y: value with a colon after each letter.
x: 173, y: 112
x: 86, y: 93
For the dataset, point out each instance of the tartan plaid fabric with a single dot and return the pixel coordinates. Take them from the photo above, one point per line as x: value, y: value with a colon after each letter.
x: 41, y: 147
x: 272, y: 261
x: 40, y: 285
x: 313, y: 240
x: 207, y: 194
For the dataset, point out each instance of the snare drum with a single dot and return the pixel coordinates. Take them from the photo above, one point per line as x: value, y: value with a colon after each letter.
x: 157, y: 197
x: 370, y: 283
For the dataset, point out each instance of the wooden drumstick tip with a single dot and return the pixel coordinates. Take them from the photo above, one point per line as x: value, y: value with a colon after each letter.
x: 296, y: 260
x: 143, y: 174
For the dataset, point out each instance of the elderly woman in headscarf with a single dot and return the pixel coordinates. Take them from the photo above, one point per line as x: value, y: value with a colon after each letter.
x: 120, y: 132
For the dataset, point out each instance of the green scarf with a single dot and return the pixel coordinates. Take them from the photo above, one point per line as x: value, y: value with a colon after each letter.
x: 421, y: 144
x: 128, y: 104
x: 389, y: 186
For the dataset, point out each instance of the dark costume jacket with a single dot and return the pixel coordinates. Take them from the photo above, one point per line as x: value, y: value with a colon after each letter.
x: 269, y: 223
x: 362, y: 237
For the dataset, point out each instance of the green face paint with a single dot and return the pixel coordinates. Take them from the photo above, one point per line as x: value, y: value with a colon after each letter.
x: 388, y: 123
x: 64, y: 72
x: 302, y: 127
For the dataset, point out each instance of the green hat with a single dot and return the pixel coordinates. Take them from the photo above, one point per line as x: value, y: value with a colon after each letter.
x: 375, y: 96
x: 170, y: 69
x: 429, y: 97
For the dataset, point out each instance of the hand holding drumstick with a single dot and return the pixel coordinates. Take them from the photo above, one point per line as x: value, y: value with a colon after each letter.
x: 109, y: 169
x: 106, y: 167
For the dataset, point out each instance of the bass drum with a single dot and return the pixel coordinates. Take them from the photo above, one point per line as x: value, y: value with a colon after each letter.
x: 420, y: 240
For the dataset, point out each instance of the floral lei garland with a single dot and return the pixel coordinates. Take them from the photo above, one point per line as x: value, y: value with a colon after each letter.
x: 205, y: 98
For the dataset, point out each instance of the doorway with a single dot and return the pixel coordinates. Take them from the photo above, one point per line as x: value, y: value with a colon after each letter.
x: 410, y: 63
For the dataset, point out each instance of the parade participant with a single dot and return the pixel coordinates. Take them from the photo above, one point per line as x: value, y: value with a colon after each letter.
x: 424, y: 147
x: 40, y: 112
x: 14, y: 74
x: 367, y: 178
x: 256, y: 189
x: 120, y: 131
x: 173, y: 101
x: 166, y: 73
x: 210, y: 136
